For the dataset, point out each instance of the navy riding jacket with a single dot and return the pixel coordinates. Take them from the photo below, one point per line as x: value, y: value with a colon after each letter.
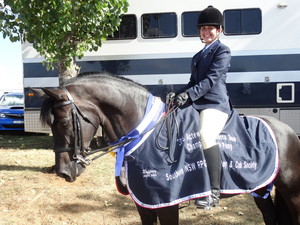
x: 207, y: 85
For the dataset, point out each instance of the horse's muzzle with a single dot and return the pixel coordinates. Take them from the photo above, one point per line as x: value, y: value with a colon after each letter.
x: 70, y: 171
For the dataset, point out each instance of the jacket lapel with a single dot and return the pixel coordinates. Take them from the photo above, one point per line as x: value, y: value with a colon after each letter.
x: 211, y: 48
x: 200, y: 62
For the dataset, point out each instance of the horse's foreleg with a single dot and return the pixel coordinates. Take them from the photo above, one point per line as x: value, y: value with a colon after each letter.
x: 267, y: 208
x: 284, y: 216
x: 168, y: 215
x: 148, y: 216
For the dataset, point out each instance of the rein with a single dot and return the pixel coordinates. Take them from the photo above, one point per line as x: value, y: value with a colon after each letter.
x: 170, y: 110
x: 79, y: 151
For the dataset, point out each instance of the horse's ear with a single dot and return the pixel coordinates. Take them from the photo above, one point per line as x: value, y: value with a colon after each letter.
x: 56, y: 93
x: 39, y: 92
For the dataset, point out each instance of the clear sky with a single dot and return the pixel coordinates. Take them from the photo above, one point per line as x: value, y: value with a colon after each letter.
x: 11, y: 69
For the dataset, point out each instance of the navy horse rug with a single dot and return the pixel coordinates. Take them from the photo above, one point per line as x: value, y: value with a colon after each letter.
x: 162, y: 172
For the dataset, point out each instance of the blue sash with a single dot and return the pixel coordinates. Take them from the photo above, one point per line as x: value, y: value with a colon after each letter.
x: 154, y: 111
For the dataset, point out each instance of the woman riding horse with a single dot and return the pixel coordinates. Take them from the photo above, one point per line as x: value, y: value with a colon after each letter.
x: 118, y: 105
x: 207, y: 92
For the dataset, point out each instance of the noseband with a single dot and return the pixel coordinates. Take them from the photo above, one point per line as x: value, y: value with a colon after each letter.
x: 78, y: 147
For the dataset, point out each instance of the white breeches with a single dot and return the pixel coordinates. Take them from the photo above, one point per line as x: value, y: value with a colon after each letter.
x: 212, y: 121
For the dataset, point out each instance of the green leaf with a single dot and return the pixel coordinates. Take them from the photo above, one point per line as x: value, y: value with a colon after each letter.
x: 62, y: 30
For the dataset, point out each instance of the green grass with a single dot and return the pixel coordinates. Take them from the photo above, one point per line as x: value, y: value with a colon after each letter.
x: 23, y: 140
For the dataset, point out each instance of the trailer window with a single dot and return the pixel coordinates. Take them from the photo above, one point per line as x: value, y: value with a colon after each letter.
x: 242, y: 21
x: 189, y: 24
x: 127, y: 29
x: 159, y: 25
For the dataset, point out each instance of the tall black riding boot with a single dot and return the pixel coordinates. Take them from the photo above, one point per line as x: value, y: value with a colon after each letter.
x: 213, y: 161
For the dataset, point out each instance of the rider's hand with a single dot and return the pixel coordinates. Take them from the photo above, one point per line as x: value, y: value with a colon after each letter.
x: 170, y: 97
x: 181, y: 99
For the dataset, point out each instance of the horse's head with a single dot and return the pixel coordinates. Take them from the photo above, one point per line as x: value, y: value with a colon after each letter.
x: 73, y: 126
x: 75, y: 111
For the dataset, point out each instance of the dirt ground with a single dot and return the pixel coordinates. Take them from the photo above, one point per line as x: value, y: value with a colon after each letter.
x: 29, y: 195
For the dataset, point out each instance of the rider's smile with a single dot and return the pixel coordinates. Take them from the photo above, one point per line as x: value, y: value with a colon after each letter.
x: 209, y: 34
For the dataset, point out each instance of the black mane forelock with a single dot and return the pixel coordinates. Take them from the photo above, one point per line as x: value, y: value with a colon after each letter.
x: 46, y: 111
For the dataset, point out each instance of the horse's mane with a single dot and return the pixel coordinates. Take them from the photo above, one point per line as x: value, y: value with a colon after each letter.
x: 46, y: 109
x: 90, y: 76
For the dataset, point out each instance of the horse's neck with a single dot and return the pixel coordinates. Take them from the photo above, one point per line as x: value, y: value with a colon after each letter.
x: 122, y: 112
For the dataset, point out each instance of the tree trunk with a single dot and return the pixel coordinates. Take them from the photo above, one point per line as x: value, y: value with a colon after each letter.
x: 67, y: 73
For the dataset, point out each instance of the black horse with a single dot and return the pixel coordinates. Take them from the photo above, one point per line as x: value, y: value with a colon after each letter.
x: 75, y: 110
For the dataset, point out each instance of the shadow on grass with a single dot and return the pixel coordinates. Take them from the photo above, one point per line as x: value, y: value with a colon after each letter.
x: 118, y: 206
x: 24, y: 168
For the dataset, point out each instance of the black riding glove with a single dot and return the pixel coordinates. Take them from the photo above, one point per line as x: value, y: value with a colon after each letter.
x: 181, y: 99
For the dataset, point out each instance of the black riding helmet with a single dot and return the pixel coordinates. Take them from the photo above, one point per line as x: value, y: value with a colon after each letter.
x: 210, y: 17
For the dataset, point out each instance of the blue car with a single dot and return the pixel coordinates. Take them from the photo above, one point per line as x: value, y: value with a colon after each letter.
x: 12, y: 111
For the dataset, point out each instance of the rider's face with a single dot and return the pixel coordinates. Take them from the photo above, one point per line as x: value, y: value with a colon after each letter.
x: 209, y: 34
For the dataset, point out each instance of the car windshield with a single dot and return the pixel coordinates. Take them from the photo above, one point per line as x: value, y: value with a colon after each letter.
x: 11, y: 100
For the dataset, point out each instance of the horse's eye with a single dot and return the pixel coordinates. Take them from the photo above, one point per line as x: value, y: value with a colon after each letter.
x: 64, y: 122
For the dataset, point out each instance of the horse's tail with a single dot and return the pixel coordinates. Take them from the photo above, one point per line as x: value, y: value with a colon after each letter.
x: 282, y: 211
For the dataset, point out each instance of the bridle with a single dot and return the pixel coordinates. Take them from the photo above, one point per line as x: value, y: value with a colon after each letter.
x: 79, y: 151
x: 78, y: 147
